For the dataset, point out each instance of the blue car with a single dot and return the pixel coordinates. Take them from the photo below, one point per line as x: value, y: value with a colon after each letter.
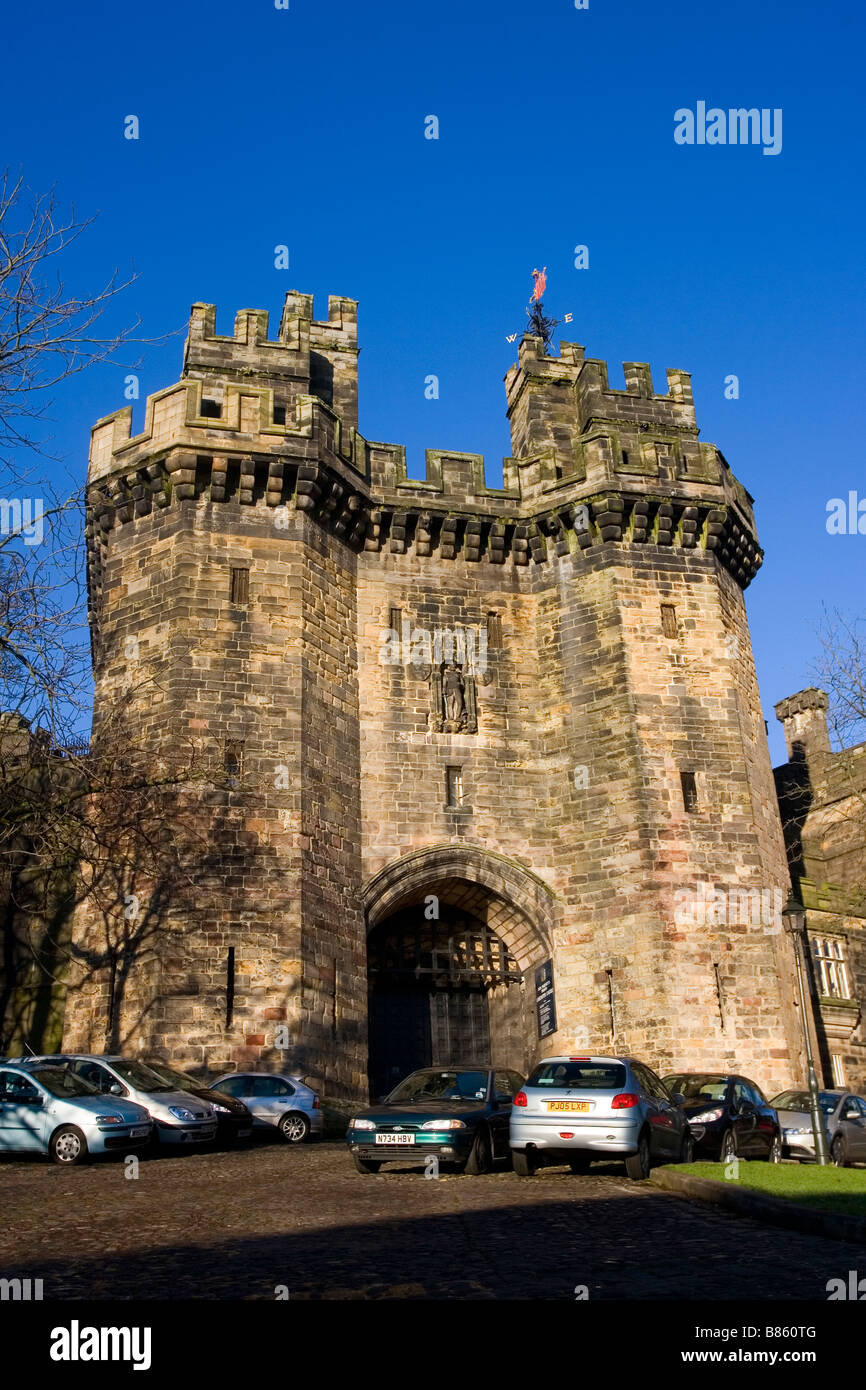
x: 46, y: 1109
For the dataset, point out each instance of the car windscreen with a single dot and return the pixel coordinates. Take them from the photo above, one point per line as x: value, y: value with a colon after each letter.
x: 698, y: 1087
x: 584, y: 1076
x: 441, y: 1085
x: 138, y: 1076
x: 799, y: 1100
x: 178, y: 1079
x: 63, y: 1084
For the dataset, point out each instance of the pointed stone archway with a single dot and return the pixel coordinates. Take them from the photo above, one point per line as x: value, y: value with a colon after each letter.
x: 454, y: 936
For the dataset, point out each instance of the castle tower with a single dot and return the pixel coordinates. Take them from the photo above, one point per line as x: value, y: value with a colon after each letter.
x: 496, y: 775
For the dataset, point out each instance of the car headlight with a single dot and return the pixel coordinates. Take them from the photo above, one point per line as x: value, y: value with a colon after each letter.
x: 222, y: 1109
x: 443, y: 1124
x: 805, y: 1129
x: 706, y: 1115
x: 361, y: 1124
x: 181, y: 1114
x: 111, y: 1120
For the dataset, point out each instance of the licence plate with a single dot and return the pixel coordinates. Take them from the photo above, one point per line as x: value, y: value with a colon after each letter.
x: 207, y: 1132
x: 395, y: 1139
x: 580, y: 1107
x: 139, y: 1132
x: 244, y: 1133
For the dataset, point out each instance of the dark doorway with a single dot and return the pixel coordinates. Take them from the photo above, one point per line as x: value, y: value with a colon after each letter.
x: 429, y: 983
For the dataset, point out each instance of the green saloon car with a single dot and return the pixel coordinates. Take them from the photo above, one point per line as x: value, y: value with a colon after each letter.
x: 459, y: 1115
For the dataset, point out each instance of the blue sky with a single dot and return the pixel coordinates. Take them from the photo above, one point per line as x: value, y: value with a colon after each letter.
x: 305, y: 127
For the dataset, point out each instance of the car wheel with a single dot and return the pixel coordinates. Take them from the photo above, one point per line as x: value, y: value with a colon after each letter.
x: 638, y: 1165
x: 68, y: 1146
x: 687, y: 1149
x: 838, y: 1154
x: 579, y: 1163
x: 367, y: 1165
x: 523, y: 1163
x: 728, y: 1150
x: 775, y: 1154
x: 294, y: 1128
x: 480, y: 1155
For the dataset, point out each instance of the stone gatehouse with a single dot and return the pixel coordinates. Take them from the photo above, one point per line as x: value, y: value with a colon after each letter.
x: 482, y: 749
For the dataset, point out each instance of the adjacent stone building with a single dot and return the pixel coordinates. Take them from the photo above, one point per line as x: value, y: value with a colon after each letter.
x: 494, y: 778
x: 822, y: 798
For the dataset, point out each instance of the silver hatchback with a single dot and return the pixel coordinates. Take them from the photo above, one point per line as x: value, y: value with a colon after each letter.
x: 178, y: 1117
x: 284, y: 1103
x: 576, y: 1109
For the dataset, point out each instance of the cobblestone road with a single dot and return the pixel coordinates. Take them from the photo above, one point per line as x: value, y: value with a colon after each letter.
x: 236, y: 1225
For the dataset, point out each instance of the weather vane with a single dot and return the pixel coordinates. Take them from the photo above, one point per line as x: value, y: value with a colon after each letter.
x: 540, y: 326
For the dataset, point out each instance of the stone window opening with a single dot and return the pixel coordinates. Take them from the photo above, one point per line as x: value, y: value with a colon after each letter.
x: 211, y: 409
x: 233, y: 762
x: 395, y: 619
x: 494, y: 630
x: 837, y: 1064
x: 625, y: 458
x: 828, y: 953
x: 669, y: 620
x: 240, y: 585
x: 610, y: 1003
x: 690, y: 791
x: 230, y: 986
x: 279, y: 414
x: 454, y: 786
x: 720, y: 993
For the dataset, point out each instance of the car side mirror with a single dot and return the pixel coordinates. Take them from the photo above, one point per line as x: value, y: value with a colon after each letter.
x: 115, y: 1089
x: 503, y: 1100
x: 678, y: 1098
x: 851, y: 1115
x: 746, y: 1108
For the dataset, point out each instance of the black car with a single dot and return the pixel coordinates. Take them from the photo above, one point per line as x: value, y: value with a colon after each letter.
x: 729, y: 1116
x: 458, y: 1114
x: 234, y: 1119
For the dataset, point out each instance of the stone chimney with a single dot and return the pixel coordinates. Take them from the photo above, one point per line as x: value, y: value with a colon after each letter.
x: 804, y: 718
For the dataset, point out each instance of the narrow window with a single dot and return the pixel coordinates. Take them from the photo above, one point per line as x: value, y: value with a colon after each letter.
x: 720, y: 997
x: 625, y: 458
x: 454, y: 786
x: 233, y: 761
x: 669, y: 620
x: 230, y: 986
x: 395, y: 619
x: 494, y: 630
x: 837, y: 1062
x: 211, y: 410
x: 610, y: 1003
x: 279, y: 414
x: 240, y: 586
x: 690, y: 791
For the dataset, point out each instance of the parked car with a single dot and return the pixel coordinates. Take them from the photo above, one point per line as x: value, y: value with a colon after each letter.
x: 178, y: 1117
x: 47, y: 1109
x: 576, y: 1109
x: 234, y: 1119
x: 284, y: 1103
x: 844, y: 1117
x: 460, y: 1114
x: 728, y: 1116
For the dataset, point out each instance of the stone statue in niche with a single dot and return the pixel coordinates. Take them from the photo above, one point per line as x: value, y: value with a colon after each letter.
x: 452, y: 700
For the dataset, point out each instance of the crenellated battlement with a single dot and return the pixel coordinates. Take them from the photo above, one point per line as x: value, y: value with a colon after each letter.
x: 266, y: 424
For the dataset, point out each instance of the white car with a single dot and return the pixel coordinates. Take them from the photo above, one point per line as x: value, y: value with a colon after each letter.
x: 285, y: 1103
x: 178, y: 1117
